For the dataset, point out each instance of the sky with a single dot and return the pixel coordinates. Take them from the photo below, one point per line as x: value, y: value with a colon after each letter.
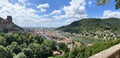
x: 54, y: 13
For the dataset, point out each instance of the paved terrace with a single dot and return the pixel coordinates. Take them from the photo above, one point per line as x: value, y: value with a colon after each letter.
x: 112, y: 52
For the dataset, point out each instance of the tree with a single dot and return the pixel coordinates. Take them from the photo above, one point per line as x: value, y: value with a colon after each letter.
x: 37, y: 50
x: 39, y: 39
x: 9, y: 52
x: 2, y: 41
x: 28, y: 52
x: 20, y: 55
x: 30, y: 39
x: 14, y: 47
x: 3, y: 52
x: 103, y: 2
x: 63, y: 47
x: 24, y: 45
x: 50, y: 44
x: 47, y: 50
x: 18, y: 38
x: 10, y: 38
x: 117, y: 4
x: 73, y: 53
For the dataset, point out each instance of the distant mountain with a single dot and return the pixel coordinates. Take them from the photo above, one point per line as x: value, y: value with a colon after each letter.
x: 92, y: 25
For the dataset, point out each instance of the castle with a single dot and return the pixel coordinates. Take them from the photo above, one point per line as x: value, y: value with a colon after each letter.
x: 6, y: 25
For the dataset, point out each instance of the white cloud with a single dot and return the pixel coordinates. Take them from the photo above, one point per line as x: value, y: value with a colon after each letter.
x: 21, y: 1
x: 76, y: 9
x: 90, y: 3
x: 24, y: 2
x: 56, y: 12
x: 22, y: 16
x: 110, y: 13
x: 43, y: 7
x: 26, y: 17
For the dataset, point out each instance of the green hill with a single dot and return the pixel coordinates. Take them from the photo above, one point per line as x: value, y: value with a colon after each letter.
x: 92, y: 25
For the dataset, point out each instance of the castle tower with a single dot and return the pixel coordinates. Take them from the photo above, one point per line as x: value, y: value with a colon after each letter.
x: 9, y: 19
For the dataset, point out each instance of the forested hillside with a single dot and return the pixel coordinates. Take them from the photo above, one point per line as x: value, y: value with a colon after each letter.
x: 94, y: 27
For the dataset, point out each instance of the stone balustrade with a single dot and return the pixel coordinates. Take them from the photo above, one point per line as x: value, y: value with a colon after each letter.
x: 112, y: 52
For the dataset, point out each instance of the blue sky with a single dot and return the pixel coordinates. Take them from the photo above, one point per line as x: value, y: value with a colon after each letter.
x: 54, y: 13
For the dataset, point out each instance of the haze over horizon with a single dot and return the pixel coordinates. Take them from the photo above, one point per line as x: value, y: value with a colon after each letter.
x: 54, y: 13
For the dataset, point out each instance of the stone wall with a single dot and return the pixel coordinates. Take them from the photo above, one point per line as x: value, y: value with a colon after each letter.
x: 6, y: 23
x: 113, y: 52
x: 8, y: 26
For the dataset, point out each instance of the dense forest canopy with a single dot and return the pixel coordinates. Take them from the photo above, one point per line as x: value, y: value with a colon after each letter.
x: 25, y: 45
x: 95, y: 28
x: 92, y: 25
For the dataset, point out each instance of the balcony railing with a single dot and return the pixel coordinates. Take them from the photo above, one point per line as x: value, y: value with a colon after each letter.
x: 112, y: 52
